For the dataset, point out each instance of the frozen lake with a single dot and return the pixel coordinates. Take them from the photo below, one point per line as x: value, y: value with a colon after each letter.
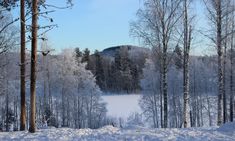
x: 122, y: 105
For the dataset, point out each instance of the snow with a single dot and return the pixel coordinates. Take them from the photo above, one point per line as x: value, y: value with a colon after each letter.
x: 109, y: 133
x: 228, y: 127
x: 122, y: 106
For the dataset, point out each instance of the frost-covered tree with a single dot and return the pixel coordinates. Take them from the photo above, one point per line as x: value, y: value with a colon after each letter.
x: 77, y: 85
x: 150, y: 99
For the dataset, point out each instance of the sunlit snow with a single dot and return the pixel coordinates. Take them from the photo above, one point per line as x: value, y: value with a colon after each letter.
x: 109, y: 133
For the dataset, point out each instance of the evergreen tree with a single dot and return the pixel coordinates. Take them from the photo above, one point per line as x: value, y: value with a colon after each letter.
x: 114, y: 79
x: 86, y: 55
x: 99, y: 71
x: 78, y: 54
x: 135, y: 77
x: 178, y: 57
x: 122, y: 71
x: 86, y: 58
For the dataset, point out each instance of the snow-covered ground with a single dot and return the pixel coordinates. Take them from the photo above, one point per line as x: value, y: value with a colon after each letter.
x: 109, y: 133
x: 122, y: 105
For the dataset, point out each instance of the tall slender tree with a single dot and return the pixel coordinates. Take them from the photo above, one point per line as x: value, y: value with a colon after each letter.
x: 219, y: 13
x: 218, y: 9
x: 225, y: 43
x: 231, y: 101
x: 32, y: 127
x: 214, y: 8
x: 156, y: 26
x: 22, y: 67
x: 187, y: 42
x: 99, y: 71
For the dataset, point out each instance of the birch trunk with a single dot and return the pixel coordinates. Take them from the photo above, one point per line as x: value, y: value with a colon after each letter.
x: 165, y: 95
x: 224, y: 67
x: 187, y: 38
x: 220, y: 58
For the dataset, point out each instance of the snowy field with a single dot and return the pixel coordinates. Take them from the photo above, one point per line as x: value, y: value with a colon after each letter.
x: 109, y: 133
x: 122, y: 105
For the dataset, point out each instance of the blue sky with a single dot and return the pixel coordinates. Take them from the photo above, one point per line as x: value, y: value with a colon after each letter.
x: 98, y: 24
x: 93, y: 24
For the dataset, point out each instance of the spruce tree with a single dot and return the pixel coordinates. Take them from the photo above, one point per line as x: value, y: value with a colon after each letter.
x: 99, y: 71
x: 86, y: 55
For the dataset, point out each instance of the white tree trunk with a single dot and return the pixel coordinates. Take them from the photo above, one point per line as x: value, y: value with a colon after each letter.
x: 220, y: 58
x: 187, y: 38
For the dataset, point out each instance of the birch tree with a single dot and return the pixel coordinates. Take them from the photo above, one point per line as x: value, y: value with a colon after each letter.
x: 156, y: 25
x: 225, y: 43
x: 218, y: 11
x: 186, y: 44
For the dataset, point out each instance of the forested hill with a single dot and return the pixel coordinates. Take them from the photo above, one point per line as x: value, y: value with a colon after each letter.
x: 111, y: 51
x: 118, y: 69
